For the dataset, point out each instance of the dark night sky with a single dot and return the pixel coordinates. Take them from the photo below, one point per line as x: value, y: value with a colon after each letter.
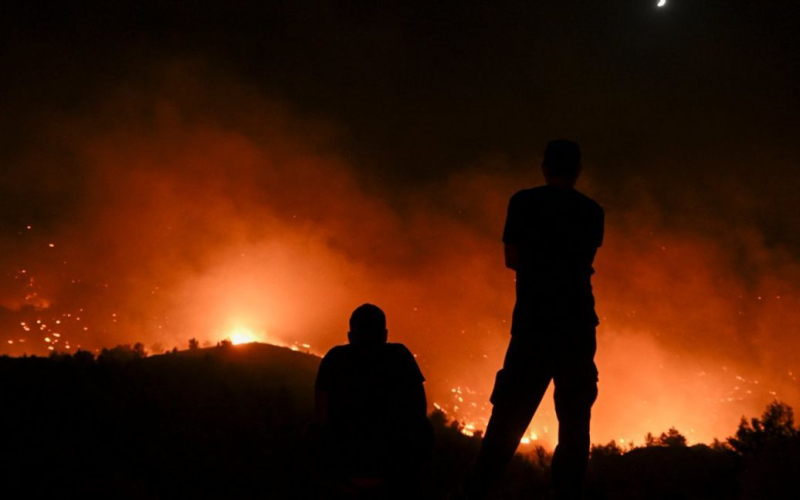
x: 424, y: 88
x: 370, y: 147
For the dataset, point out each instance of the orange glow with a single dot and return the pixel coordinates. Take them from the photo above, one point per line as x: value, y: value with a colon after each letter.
x: 243, y: 335
x: 204, y: 221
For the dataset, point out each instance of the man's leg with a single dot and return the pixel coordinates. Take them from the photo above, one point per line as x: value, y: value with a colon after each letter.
x: 575, y: 393
x: 518, y: 390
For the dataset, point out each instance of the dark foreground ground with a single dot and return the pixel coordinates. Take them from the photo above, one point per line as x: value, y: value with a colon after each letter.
x: 228, y: 422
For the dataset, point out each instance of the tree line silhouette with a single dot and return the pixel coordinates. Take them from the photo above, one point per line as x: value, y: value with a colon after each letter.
x: 230, y: 421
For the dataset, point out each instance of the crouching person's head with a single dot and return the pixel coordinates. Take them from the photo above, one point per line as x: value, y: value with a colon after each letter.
x: 367, y: 326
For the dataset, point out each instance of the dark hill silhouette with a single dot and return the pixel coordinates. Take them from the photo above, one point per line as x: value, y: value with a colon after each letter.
x: 666, y: 472
x: 229, y: 422
x: 223, y: 421
x: 266, y: 358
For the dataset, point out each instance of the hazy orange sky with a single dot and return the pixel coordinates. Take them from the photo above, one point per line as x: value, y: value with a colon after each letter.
x: 180, y: 193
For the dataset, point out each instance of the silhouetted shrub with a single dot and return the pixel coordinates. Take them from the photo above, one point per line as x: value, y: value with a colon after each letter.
x: 612, y: 449
x: 770, y: 448
x: 83, y: 357
x: 671, y: 438
x: 775, y: 425
x: 122, y: 354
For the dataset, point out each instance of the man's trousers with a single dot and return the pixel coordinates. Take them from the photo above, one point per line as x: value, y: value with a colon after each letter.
x: 564, y: 355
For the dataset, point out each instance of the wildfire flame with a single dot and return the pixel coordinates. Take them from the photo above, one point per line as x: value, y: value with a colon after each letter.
x: 243, y: 335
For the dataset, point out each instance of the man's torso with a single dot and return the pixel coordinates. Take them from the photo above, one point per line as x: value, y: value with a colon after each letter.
x: 557, y: 231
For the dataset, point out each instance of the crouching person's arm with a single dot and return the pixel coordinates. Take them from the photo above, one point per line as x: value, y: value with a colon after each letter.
x: 316, y: 438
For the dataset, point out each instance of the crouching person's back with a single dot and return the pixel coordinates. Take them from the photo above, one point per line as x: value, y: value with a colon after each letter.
x: 371, y: 414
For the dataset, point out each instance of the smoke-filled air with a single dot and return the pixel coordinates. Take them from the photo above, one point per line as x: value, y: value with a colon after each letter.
x: 198, y: 207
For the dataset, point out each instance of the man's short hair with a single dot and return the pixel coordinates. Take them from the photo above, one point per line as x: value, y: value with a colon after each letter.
x: 367, y: 325
x: 562, y: 158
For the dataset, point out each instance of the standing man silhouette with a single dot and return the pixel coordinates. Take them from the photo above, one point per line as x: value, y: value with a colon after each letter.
x: 551, y: 235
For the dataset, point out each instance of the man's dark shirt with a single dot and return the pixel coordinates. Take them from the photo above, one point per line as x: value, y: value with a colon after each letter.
x: 376, y: 403
x: 558, y: 231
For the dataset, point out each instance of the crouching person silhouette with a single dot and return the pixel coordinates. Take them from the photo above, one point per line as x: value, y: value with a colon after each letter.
x: 371, y: 415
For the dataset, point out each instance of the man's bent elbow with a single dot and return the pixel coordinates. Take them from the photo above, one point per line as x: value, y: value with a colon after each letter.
x: 512, y: 256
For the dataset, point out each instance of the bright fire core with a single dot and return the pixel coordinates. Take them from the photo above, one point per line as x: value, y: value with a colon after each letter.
x: 243, y: 335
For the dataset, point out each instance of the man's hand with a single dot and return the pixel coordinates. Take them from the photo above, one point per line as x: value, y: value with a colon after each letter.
x: 512, y: 256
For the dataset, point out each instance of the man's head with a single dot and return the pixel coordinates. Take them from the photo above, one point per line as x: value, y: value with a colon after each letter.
x: 367, y: 326
x: 562, y: 162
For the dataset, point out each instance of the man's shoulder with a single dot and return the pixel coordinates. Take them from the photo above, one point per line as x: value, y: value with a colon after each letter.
x: 398, y: 350
x: 405, y: 360
x: 331, y: 367
x: 337, y: 352
x: 345, y: 351
x: 528, y: 193
x: 590, y: 203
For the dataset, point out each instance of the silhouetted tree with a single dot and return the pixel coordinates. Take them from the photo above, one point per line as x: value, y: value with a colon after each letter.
x: 770, y: 451
x: 776, y: 424
x: 123, y: 353
x: 139, y: 350
x: 193, y: 344
x: 540, y: 456
x: 438, y: 419
x: 612, y: 449
x: 671, y: 438
x: 83, y: 357
x: 718, y: 445
x: 60, y: 356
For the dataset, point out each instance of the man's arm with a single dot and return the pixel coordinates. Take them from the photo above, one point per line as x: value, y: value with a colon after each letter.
x: 420, y: 401
x: 511, y: 233
x: 416, y: 402
x: 512, y: 256
x: 322, y: 388
x: 601, y: 221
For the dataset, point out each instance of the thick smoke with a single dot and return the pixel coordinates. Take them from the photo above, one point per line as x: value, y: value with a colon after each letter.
x: 187, y: 206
